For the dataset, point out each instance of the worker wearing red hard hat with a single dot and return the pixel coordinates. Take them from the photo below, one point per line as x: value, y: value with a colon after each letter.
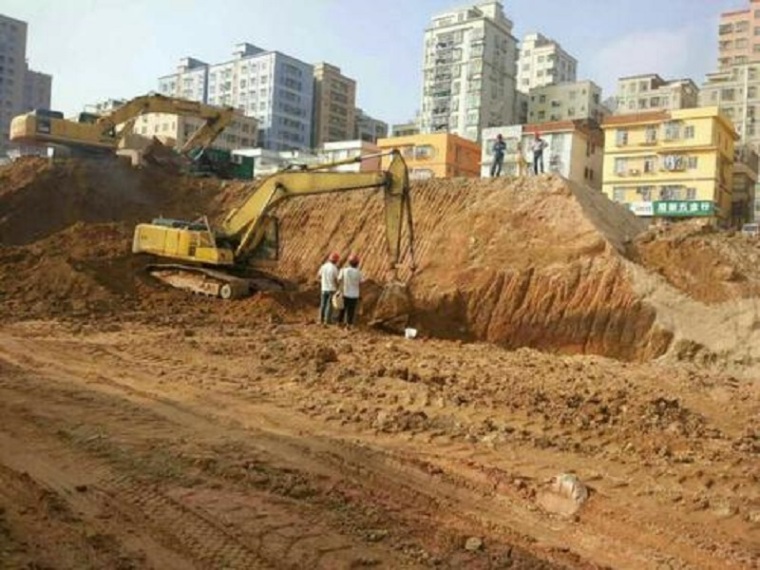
x: 328, y: 278
x: 350, y: 279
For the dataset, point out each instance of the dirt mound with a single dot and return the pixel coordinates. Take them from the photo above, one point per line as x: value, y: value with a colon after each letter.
x: 39, y: 198
x: 533, y: 262
x: 708, y: 266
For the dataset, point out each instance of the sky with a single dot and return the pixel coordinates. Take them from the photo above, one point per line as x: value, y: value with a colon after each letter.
x: 101, y: 49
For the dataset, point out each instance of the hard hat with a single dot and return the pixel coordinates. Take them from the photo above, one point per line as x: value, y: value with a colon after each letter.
x: 334, y: 257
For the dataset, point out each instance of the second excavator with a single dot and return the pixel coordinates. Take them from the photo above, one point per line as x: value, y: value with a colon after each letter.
x: 214, y: 260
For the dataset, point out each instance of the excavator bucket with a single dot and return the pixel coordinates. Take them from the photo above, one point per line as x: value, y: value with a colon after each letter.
x: 393, y: 308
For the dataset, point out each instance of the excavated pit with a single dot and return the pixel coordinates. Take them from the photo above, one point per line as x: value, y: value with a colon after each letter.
x: 534, y: 262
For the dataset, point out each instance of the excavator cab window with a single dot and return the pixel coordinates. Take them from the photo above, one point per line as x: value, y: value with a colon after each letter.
x: 269, y: 248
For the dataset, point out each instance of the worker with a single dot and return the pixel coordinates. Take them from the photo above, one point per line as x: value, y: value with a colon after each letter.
x: 328, y: 277
x: 350, y: 279
x: 537, y: 146
x: 498, y: 156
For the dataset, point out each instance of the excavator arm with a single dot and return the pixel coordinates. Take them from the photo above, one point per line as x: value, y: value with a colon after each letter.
x: 245, y: 225
x: 217, y: 119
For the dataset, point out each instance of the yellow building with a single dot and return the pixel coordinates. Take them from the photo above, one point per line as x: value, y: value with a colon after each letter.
x: 439, y: 155
x: 671, y: 164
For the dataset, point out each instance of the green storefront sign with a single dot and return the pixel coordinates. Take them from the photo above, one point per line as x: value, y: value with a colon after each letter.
x: 683, y: 208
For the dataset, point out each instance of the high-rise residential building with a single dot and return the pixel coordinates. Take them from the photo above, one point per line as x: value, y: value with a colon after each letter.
x: 469, y: 71
x: 739, y: 36
x: 273, y: 87
x: 566, y: 102
x: 333, y: 118
x: 405, y: 129
x: 743, y: 190
x: 369, y: 129
x: 542, y: 62
x: 676, y: 164
x: 736, y: 90
x: 574, y: 150
x: 21, y: 89
x: 650, y: 92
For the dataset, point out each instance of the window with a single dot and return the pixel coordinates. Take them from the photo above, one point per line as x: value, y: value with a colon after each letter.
x: 670, y: 193
x: 691, y: 193
x: 651, y: 134
x: 650, y: 164
x: 542, y: 99
x: 541, y: 115
x: 621, y: 137
x: 621, y: 166
x: 756, y: 31
x: 672, y: 131
x: 618, y: 194
x: 645, y: 193
x: 692, y: 162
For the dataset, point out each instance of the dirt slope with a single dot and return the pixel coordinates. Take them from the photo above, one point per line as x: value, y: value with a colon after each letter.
x: 530, y: 262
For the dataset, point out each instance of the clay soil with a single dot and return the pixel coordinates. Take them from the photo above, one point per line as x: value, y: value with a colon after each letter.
x: 144, y: 428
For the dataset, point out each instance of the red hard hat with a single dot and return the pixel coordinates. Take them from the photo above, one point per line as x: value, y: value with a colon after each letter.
x: 334, y: 257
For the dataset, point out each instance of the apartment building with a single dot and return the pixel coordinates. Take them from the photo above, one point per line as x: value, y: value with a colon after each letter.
x: 736, y: 91
x: 738, y: 36
x: 671, y: 164
x: 650, y: 92
x: 469, y: 71
x: 575, y: 150
x: 566, y: 102
x: 21, y: 89
x: 345, y: 150
x: 334, y: 114
x: 368, y: 128
x: 744, y: 186
x: 543, y: 61
x: 438, y: 155
x: 405, y: 129
x: 176, y: 130
x: 270, y: 86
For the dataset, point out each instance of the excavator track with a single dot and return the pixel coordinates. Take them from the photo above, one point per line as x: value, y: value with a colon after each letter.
x: 202, y: 280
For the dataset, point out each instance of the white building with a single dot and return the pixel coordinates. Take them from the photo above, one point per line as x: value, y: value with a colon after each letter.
x: 343, y: 150
x: 273, y: 87
x: 268, y: 162
x: 21, y: 89
x: 650, y: 92
x: 543, y: 62
x: 469, y: 71
x: 566, y: 102
x: 575, y: 150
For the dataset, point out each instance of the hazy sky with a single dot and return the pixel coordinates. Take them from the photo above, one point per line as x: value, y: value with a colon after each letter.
x: 99, y: 49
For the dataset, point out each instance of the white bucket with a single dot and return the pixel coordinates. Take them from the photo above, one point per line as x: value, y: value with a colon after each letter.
x: 410, y: 333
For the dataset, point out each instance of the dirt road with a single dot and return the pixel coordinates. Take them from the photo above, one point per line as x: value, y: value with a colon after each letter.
x: 127, y: 445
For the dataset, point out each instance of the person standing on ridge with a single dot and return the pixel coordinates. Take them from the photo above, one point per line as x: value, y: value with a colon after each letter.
x: 498, y: 156
x: 328, y: 277
x: 537, y: 146
x: 350, y: 279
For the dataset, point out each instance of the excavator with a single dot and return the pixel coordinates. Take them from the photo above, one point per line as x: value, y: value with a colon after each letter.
x: 93, y: 133
x: 214, y: 260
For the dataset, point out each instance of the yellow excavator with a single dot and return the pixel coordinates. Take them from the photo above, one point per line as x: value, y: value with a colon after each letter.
x: 93, y: 133
x: 214, y: 261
